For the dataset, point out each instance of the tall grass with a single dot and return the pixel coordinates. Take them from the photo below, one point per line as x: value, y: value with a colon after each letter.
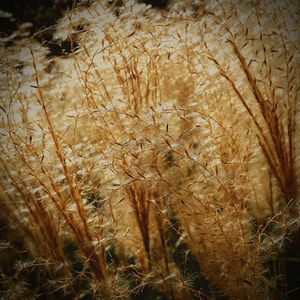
x: 158, y: 160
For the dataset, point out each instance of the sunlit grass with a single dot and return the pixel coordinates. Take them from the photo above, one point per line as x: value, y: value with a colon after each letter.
x: 159, y: 159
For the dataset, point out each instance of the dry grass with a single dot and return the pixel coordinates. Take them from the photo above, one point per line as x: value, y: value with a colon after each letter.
x: 159, y: 159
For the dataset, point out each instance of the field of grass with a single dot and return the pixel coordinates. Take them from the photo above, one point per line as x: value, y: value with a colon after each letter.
x: 158, y: 158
